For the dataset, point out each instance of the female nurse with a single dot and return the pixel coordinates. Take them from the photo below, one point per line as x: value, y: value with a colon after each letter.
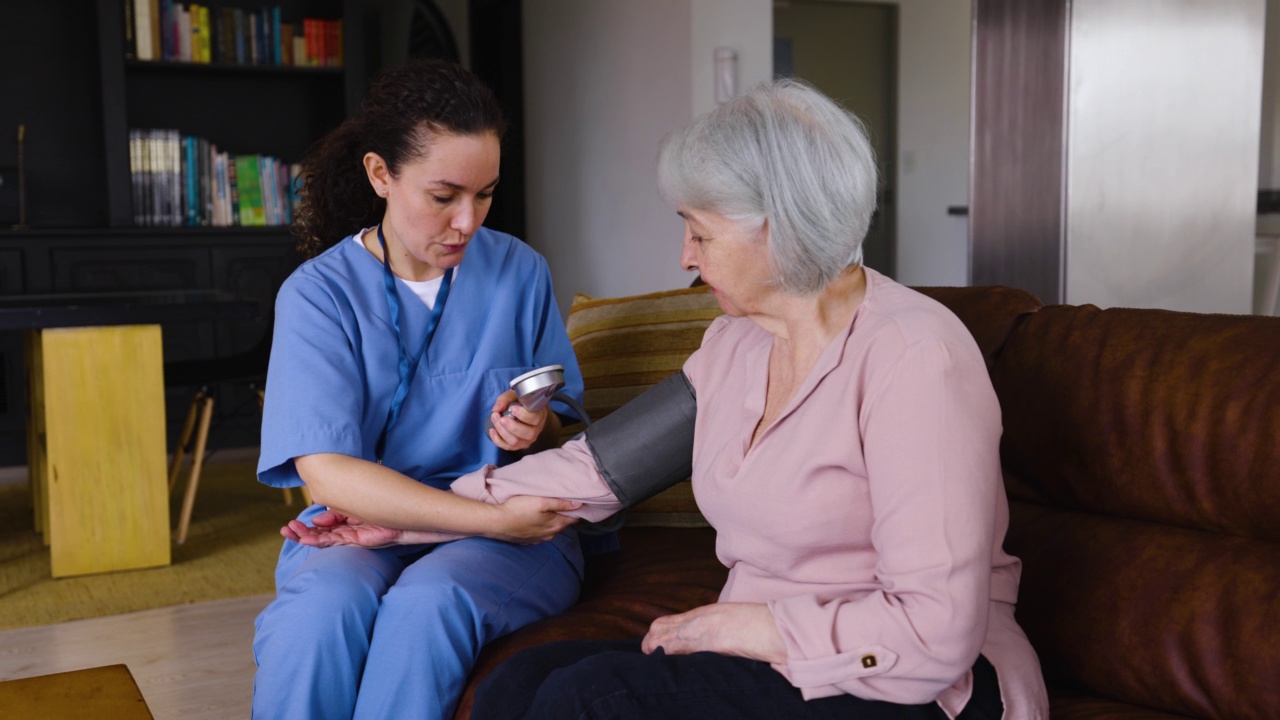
x: 393, y: 346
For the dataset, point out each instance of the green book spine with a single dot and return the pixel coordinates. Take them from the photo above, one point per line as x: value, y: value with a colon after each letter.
x: 250, y: 187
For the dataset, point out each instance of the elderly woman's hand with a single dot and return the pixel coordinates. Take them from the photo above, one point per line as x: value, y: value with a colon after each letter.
x: 520, y: 429
x: 739, y: 629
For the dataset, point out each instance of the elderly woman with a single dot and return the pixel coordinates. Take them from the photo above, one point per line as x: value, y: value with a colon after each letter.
x: 845, y: 450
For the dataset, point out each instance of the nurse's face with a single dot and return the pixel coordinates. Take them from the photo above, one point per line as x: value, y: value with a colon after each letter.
x: 436, y: 202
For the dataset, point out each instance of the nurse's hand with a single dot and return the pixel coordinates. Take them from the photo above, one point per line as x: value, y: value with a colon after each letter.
x: 333, y: 528
x: 520, y: 429
x: 528, y: 520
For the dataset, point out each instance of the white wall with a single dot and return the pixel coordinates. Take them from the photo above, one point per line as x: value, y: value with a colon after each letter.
x: 604, y: 82
x: 606, y: 79
x: 746, y: 26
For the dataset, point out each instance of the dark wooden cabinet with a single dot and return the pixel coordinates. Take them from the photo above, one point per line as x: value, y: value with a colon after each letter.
x: 249, y: 263
x: 244, y: 109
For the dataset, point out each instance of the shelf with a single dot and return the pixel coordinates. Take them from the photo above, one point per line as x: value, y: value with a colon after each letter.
x: 276, y: 110
x: 222, y: 234
x: 146, y: 231
x: 174, y: 66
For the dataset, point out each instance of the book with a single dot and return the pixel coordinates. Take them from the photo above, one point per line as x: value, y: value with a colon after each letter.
x: 252, y: 213
x: 130, y: 39
x: 154, y: 169
x: 168, y: 31
x: 252, y: 43
x: 233, y: 191
x: 205, y: 189
x: 154, y: 26
x: 221, y: 216
x: 142, y: 29
x: 309, y: 30
x: 275, y: 36
x: 182, y: 33
x: 267, y: 181
x: 286, y: 44
x: 188, y: 181
x: 335, y: 43
x: 199, y: 33
x: 295, y: 189
x: 136, y: 174
x: 173, y: 142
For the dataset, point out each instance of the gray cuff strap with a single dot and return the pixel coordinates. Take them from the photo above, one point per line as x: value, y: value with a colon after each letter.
x: 646, y: 446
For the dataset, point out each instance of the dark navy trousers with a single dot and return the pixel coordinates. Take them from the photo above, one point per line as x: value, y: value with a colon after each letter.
x: 599, y: 680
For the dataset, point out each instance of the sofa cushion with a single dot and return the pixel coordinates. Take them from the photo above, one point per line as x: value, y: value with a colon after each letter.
x: 1146, y: 614
x: 625, y: 345
x: 990, y: 313
x: 1164, y: 416
x: 1072, y: 706
x: 1140, y: 458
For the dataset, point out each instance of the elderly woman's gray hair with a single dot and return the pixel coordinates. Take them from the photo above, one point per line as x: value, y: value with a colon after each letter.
x: 786, y: 155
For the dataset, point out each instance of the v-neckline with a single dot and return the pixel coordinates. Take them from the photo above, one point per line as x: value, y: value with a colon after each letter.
x: 754, y: 402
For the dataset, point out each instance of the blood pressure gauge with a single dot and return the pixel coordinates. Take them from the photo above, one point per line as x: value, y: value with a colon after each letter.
x: 535, y: 388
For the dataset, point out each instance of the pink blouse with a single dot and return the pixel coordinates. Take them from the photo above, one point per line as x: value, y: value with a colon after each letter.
x: 869, y: 515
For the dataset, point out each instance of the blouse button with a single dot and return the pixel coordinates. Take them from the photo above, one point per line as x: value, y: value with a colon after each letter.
x: 868, y: 661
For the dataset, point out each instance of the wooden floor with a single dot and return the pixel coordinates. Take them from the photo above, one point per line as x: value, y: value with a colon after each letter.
x: 190, y: 661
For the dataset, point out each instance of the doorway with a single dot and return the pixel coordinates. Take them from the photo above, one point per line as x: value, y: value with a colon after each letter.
x: 849, y: 51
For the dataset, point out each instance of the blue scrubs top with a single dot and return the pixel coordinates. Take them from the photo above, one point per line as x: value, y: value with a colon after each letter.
x: 334, y: 360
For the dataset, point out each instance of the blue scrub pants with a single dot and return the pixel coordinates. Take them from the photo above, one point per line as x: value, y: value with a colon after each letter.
x: 394, y: 632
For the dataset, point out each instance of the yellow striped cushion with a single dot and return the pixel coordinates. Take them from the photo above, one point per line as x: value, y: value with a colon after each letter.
x: 624, y: 345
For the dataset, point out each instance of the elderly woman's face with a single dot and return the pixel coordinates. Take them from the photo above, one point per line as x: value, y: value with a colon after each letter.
x: 733, y: 260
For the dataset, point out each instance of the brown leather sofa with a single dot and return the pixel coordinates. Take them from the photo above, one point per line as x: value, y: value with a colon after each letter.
x: 1141, y: 454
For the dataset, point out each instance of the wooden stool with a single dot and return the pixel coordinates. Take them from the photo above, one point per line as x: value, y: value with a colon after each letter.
x: 101, y: 692
x: 199, y: 417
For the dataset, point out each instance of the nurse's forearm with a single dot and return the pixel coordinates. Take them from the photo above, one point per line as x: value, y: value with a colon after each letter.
x: 377, y: 494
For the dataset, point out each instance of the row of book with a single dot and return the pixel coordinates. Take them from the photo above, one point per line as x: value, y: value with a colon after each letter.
x: 169, y: 31
x: 184, y: 180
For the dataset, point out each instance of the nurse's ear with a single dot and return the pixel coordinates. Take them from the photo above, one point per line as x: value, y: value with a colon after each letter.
x: 375, y: 168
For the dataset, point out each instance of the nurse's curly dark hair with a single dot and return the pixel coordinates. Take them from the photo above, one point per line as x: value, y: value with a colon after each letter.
x: 405, y: 109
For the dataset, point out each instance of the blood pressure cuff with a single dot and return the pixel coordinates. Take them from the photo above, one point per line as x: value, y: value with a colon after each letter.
x: 646, y: 446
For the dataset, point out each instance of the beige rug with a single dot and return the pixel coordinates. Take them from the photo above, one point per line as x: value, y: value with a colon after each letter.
x: 230, y: 552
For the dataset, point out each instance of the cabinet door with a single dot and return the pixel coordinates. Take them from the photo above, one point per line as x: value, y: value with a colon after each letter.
x: 13, y: 405
x: 11, y: 272
x: 132, y: 268
x: 252, y: 273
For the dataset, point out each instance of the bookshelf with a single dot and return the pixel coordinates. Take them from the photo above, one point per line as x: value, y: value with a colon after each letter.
x: 266, y: 109
x: 84, y: 238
